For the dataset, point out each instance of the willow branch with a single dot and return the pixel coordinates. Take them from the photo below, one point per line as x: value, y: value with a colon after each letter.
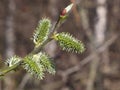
x: 36, y: 50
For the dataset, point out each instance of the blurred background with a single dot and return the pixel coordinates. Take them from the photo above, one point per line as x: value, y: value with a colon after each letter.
x: 95, y: 22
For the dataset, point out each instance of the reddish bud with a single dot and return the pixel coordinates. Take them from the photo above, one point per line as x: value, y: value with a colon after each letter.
x: 67, y: 9
x: 63, y: 12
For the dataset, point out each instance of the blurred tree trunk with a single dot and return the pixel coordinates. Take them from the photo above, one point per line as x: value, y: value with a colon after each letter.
x: 9, y: 39
x: 9, y: 32
x: 100, y: 28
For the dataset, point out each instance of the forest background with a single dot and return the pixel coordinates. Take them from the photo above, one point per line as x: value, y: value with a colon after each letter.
x: 94, y: 22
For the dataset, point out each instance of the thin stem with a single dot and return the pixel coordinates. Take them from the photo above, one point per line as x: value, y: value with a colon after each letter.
x: 8, y: 69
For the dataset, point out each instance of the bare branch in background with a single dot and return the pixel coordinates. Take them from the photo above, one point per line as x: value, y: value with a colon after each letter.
x: 24, y: 82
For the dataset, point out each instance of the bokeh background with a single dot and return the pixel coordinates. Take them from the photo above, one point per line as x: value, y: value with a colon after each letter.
x: 95, y: 22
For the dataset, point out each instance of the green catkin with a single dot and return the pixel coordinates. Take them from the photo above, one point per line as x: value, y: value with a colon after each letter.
x: 38, y: 64
x: 41, y: 33
x: 69, y: 43
x: 33, y: 67
x: 13, y: 60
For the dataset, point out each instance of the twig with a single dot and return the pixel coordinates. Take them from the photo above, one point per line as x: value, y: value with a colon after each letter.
x: 24, y: 81
x: 8, y: 69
